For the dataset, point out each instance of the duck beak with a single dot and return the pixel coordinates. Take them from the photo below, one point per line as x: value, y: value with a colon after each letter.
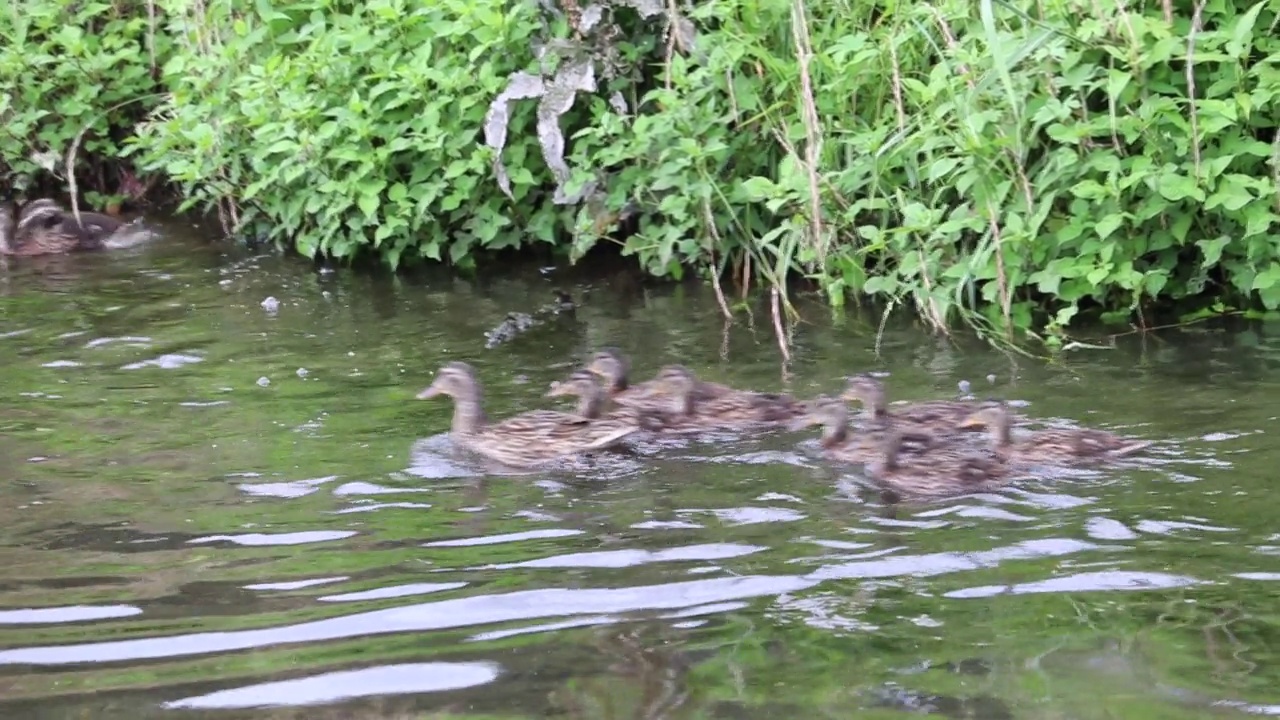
x: 557, y: 388
x: 429, y: 393
x: 973, y: 421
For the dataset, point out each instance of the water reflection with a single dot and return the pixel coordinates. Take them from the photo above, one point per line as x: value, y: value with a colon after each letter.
x: 335, y: 686
x: 180, y: 535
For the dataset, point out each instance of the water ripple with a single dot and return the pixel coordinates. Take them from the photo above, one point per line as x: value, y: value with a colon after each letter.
x: 73, y: 613
x: 462, y: 612
x: 1083, y: 582
x: 393, y: 592
x: 293, y: 538
x: 347, y: 684
x: 631, y: 558
x: 505, y: 538
x: 295, y: 584
x: 168, y: 361
x: 291, y: 489
x: 950, y: 562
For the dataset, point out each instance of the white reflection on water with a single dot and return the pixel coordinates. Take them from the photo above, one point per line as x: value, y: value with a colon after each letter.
x: 347, y: 684
x: 72, y: 613
x: 454, y: 613
x: 1083, y: 582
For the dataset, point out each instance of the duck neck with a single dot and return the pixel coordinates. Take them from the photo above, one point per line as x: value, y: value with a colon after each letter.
x: 468, y: 414
x: 590, y: 405
x: 618, y: 382
x: 875, y: 405
x: 892, y: 445
x: 1001, y: 432
x: 834, y: 432
x: 682, y: 402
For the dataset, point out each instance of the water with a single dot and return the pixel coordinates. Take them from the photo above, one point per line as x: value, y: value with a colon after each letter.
x: 184, y: 538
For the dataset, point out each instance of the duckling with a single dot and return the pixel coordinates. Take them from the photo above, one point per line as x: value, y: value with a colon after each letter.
x: 615, y: 369
x: 45, y: 228
x: 1053, y: 445
x: 927, y: 415
x: 736, y: 408
x: 594, y: 405
x: 524, y: 440
x: 927, y: 470
x: 840, y: 443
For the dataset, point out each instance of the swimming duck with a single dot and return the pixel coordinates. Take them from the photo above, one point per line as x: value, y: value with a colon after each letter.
x: 736, y: 408
x: 839, y: 441
x: 933, y: 414
x: 593, y: 404
x: 1053, y: 445
x: 914, y: 466
x: 524, y: 440
x: 44, y: 228
x: 615, y: 369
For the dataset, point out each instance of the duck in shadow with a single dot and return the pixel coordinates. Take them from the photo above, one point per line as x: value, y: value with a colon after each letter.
x: 43, y: 227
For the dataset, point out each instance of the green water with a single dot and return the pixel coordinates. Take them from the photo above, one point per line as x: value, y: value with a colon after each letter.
x: 181, y: 540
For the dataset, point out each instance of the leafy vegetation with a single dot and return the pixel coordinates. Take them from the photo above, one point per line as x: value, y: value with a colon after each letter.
x: 1012, y: 163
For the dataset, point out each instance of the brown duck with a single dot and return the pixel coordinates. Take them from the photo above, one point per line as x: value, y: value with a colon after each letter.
x: 594, y: 404
x: 926, y: 470
x: 931, y: 415
x: 43, y: 227
x: 844, y: 444
x: 614, y: 369
x: 693, y: 410
x: 1056, y: 445
x: 526, y: 440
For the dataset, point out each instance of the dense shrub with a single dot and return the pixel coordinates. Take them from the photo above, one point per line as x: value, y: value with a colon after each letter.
x: 75, y: 78
x: 986, y: 160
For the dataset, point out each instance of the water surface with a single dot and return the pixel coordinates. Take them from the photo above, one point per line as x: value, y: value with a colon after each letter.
x: 209, y: 508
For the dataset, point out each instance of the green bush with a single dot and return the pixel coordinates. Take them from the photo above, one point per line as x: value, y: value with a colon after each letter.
x: 75, y: 78
x: 343, y: 126
x: 994, y: 157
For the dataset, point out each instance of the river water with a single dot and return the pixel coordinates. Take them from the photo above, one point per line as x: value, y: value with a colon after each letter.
x: 209, y: 508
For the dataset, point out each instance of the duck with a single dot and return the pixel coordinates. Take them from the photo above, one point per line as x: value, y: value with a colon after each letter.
x: 734, y: 409
x: 594, y: 404
x: 1056, y: 445
x: 43, y: 227
x: 915, y: 467
x: 526, y: 440
x: 614, y: 368
x: 839, y: 442
x: 930, y: 415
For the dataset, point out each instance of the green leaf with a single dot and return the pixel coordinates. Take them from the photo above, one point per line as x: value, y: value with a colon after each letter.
x: 1110, y: 224
x: 1268, y: 278
x: 942, y: 168
x: 1153, y: 282
x: 1089, y: 190
x: 1179, y: 187
x: 1243, y: 31
x: 369, y: 205
x: 459, y: 249
x: 1212, y: 250
x: 759, y: 189
x: 885, y: 284
x: 1270, y: 297
x: 1232, y: 193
